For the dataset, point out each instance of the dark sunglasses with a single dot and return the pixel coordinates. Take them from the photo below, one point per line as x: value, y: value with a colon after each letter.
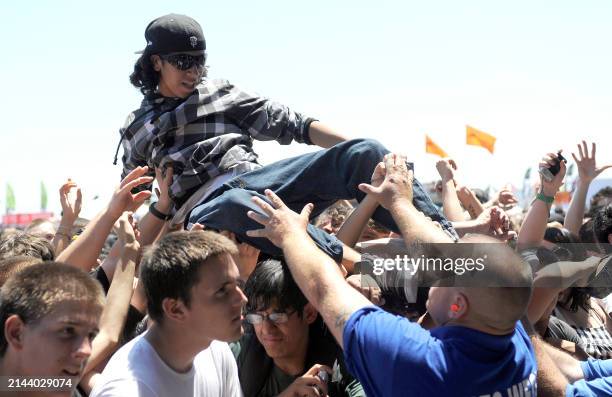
x: 184, y: 61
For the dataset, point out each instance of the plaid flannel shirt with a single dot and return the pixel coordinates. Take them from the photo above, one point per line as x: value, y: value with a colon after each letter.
x: 206, y: 134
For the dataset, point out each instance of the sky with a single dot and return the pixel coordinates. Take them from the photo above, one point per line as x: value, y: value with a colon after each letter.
x: 535, y: 74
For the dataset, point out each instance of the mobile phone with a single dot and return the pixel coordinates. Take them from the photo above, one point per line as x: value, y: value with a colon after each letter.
x: 323, y: 375
x: 548, y: 173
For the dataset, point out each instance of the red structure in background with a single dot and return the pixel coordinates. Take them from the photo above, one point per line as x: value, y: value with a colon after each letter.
x: 24, y: 219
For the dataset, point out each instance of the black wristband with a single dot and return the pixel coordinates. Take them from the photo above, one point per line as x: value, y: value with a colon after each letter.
x: 158, y: 214
x: 306, y: 135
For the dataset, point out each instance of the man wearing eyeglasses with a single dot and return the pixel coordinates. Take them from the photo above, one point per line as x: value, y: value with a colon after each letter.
x: 287, y: 348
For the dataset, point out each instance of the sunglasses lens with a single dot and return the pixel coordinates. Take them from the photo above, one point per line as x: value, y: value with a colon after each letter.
x: 185, y: 61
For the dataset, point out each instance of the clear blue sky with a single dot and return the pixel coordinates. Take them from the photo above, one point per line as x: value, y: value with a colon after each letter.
x: 536, y: 74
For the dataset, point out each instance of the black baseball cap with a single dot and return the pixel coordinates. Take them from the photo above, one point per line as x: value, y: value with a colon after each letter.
x: 174, y: 33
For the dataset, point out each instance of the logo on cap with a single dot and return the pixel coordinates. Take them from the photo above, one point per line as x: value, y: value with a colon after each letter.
x: 193, y: 41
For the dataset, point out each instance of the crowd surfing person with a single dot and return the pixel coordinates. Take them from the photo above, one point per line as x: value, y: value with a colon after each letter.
x: 203, y: 129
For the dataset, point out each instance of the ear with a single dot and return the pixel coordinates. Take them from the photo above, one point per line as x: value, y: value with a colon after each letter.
x: 461, y: 304
x: 156, y: 61
x: 610, y: 238
x: 175, y: 309
x: 310, y: 313
x: 14, y: 329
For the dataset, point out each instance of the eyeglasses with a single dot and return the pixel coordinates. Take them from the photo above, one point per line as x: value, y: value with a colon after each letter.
x: 276, y: 318
x: 184, y: 61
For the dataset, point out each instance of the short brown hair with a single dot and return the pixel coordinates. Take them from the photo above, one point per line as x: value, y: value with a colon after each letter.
x: 25, y: 244
x: 15, y: 264
x: 36, y: 291
x: 169, y: 269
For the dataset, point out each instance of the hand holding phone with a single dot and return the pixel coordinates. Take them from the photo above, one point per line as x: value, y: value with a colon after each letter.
x: 548, y: 173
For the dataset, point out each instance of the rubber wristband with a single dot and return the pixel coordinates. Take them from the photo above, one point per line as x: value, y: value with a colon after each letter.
x: 544, y: 198
x: 158, y: 214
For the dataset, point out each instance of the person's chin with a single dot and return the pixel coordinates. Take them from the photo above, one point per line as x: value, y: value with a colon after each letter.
x: 233, y: 333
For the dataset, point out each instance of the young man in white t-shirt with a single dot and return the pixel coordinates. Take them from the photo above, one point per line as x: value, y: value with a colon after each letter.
x: 194, y: 299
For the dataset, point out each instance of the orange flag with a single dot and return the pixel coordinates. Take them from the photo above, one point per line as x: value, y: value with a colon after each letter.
x: 479, y: 138
x: 433, y: 148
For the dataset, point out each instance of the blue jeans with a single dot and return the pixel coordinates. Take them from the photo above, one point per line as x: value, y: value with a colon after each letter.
x: 320, y: 178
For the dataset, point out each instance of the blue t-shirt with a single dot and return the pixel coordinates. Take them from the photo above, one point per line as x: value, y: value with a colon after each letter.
x: 597, y: 379
x: 394, y: 357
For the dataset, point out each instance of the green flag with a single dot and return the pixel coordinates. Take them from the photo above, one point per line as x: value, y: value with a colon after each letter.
x: 10, y: 198
x: 43, y: 196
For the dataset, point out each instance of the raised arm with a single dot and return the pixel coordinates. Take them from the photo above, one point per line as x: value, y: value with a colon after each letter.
x: 152, y: 225
x: 450, y: 202
x: 587, y: 171
x: 118, y: 298
x: 534, y: 225
x: 395, y: 194
x: 554, y: 278
x: 83, y: 252
x: 71, y: 208
x: 353, y: 226
x: 469, y: 201
x: 317, y: 275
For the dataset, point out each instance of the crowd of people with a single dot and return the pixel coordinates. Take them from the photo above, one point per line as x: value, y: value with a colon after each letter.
x: 250, y: 280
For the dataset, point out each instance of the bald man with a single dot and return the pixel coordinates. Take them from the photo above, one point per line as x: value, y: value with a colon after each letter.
x: 479, y: 347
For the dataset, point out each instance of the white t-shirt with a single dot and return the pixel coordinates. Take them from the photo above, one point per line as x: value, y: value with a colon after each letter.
x: 607, y: 304
x: 137, y: 370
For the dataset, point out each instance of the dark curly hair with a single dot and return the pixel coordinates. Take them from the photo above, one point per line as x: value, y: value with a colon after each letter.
x: 602, y: 227
x: 146, y: 78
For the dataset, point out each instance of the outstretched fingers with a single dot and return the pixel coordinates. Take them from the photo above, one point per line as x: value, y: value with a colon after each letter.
x: 136, y: 173
x: 278, y: 203
x: 257, y: 217
x: 267, y: 208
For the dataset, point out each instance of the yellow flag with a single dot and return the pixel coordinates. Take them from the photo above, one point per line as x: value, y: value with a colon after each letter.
x: 479, y: 138
x: 433, y: 148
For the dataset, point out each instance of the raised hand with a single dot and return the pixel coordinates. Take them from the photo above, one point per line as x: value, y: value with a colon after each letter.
x: 506, y: 198
x: 397, y: 184
x: 495, y: 222
x: 587, y: 167
x: 446, y: 168
x: 164, y: 180
x: 281, y: 223
x: 552, y: 187
x: 378, y: 176
x: 127, y: 231
x: 71, y: 203
x: 123, y: 199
